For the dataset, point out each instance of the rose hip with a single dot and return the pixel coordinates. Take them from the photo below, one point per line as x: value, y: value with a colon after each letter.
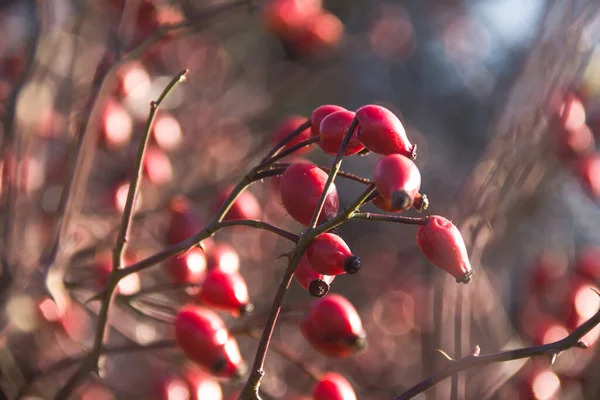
x: 319, y: 113
x: 309, y: 279
x: 244, y: 207
x: 328, y: 254
x: 225, y: 291
x: 287, y: 126
x: 333, y: 129
x: 333, y: 386
x: 382, y: 132
x: 398, y: 180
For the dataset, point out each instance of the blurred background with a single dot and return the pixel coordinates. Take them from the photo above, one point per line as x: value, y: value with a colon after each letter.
x: 76, y: 79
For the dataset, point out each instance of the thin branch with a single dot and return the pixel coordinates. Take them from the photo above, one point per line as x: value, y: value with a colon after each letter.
x: 260, y: 225
x: 288, y: 151
x: 391, y: 218
x: 277, y: 148
x: 475, y: 360
x: 343, y: 174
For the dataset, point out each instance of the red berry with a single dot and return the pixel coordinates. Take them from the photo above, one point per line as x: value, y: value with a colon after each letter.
x: 588, y: 263
x: 287, y: 126
x: 188, y: 268
x: 157, y: 166
x: 588, y: 170
x: 575, y: 143
x: 333, y: 386
x: 201, y: 385
x: 320, y: 34
x: 441, y: 242
x: 333, y: 327
x: 103, y: 266
x: 286, y: 17
x: 171, y: 388
x: 571, y: 115
x: 301, y: 187
x: 244, y: 207
x: 548, y: 271
x: 319, y: 113
x: 116, y: 125
x: 382, y: 132
x: 328, y: 254
x: 204, y: 339
x: 398, y: 180
x: 184, y: 221
x: 225, y: 291
x: 580, y: 303
x: 316, y: 284
x: 223, y: 257
x: 333, y: 129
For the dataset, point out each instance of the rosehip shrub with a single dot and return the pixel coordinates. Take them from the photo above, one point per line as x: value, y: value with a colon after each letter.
x: 301, y: 187
x: 319, y: 114
x: 225, y: 291
x: 312, y: 281
x: 203, y: 337
x: 328, y: 254
x: 333, y: 129
x: 333, y: 327
x: 398, y: 180
x: 333, y: 386
x: 382, y: 132
x: 441, y: 242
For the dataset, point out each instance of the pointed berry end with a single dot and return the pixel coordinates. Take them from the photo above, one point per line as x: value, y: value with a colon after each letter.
x: 413, y: 152
x: 359, y: 342
x: 364, y: 152
x: 401, y: 200
x: 239, y: 373
x: 421, y: 203
x: 352, y: 265
x: 318, y: 288
x: 246, y: 309
x: 466, y: 278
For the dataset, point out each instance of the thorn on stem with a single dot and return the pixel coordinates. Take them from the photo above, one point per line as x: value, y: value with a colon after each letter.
x: 582, y: 344
x: 553, y: 358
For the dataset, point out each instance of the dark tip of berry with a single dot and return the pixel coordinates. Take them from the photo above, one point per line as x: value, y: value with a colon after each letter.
x: 364, y: 152
x: 413, y: 152
x: 246, y: 309
x: 401, y: 200
x: 318, y: 288
x: 421, y: 203
x: 359, y: 342
x: 239, y: 372
x: 219, y: 365
x: 352, y: 265
x: 466, y: 278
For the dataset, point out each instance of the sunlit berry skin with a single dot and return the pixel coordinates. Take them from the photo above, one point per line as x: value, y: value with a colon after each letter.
x: 320, y: 34
x: 244, y: 207
x: 398, y: 180
x: 201, y: 385
x: 333, y: 386
x: 333, y: 129
x: 588, y: 172
x: 382, y: 132
x: 309, y: 279
x: 204, y: 339
x: 286, y: 17
x: 223, y: 256
x: 333, y: 327
x: 328, y: 254
x: 442, y: 244
x: 171, y: 388
x: 319, y: 114
x: 301, y: 188
x: 287, y: 126
x: 189, y: 267
x: 225, y: 291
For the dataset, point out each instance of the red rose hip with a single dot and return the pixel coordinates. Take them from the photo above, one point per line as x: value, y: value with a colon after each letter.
x: 316, y: 284
x: 382, y: 132
x: 333, y: 386
x: 333, y: 129
x: 225, y: 291
x: 188, y: 268
x: 328, y: 254
x: 441, y: 242
x: 319, y: 114
x: 301, y: 187
x: 289, y: 125
x: 244, y: 207
x: 398, y: 180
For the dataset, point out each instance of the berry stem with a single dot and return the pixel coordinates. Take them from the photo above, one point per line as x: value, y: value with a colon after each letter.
x: 90, y: 363
x: 277, y: 148
x: 476, y: 360
x: 278, y: 156
x: 343, y: 174
x: 390, y: 218
x: 260, y: 225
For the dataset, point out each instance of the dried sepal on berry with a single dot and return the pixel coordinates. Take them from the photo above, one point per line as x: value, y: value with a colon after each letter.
x: 315, y: 283
x: 328, y: 254
x: 398, y: 181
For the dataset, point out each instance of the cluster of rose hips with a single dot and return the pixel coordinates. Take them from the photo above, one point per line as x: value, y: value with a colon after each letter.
x: 302, y: 25
x: 576, y: 143
x: 559, y: 297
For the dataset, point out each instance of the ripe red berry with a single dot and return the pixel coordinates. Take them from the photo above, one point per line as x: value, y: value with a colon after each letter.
x: 188, y: 268
x: 103, y: 267
x: 201, y: 385
x: 225, y: 291
x: 333, y: 386
x: 398, y: 180
x: 333, y: 129
x: 244, y: 207
x: 184, y: 221
x: 320, y: 34
x: 301, y: 187
x: 328, y: 254
x: 382, y: 132
x: 588, y: 171
x: 333, y: 327
x: 156, y: 166
x: 575, y: 143
x: 285, y: 18
x: 571, y: 115
x: 287, y: 126
x: 224, y: 257
x: 319, y: 113
x: 316, y: 284
x: 441, y: 242
x: 204, y: 339
x: 588, y: 263
x: 171, y: 388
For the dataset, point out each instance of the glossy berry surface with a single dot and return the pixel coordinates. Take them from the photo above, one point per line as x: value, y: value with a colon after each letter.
x: 244, y: 207
x: 328, y: 254
x: 319, y: 113
x: 289, y: 125
x: 398, y: 180
x: 382, y: 132
x: 202, y: 336
x: 189, y: 267
x: 333, y: 129
x: 333, y: 386
x: 442, y: 244
x: 333, y: 327
x: 312, y: 281
x: 225, y: 291
x: 301, y: 187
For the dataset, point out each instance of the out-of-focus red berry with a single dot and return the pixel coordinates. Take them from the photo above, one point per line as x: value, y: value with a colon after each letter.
x: 333, y: 386
x: 571, y: 115
x: 285, y: 18
x: 548, y: 270
x: 382, y: 132
x: 156, y: 166
x: 287, y: 126
x: 223, y: 257
x: 588, y: 172
x: 171, y: 388
x: 398, y: 180
x: 320, y: 34
x: 328, y: 254
x: 225, y: 291
x: 333, y: 129
x: 309, y: 279
x: 319, y: 113
x: 575, y: 143
x: 201, y: 385
x: 188, y: 268
x: 116, y: 125
x: 184, y: 222
x: 103, y: 264
x: 588, y: 263
x: 244, y: 207
x: 301, y: 187
x: 441, y: 242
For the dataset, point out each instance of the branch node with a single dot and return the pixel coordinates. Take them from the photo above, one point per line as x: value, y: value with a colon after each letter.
x: 582, y: 344
x: 476, y: 351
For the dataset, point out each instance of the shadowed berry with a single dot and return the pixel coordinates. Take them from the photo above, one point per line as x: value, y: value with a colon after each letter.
x: 328, y: 254
x: 224, y: 257
x: 333, y: 129
x: 316, y: 284
x: 319, y: 113
x: 189, y: 267
x: 441, y: 242
x: 225, y: 291
x: 398, y: 180
x: 382, y: 132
